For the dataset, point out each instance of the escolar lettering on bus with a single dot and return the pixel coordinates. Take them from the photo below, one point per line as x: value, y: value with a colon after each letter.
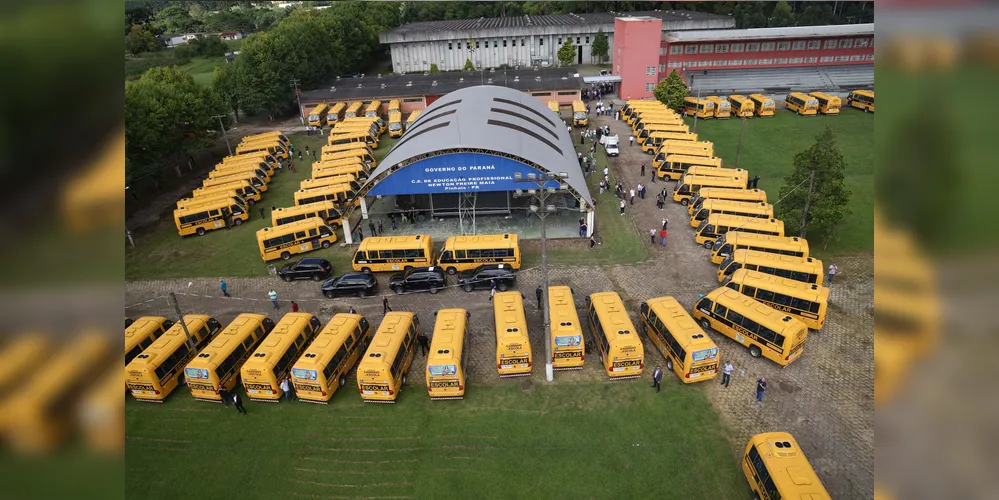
x: 630, y: 362
x: 259, y: 387
x: 451, y: 383
x: 574, y: 354
x: 201, y: 387
x: 374, y: 387
x: 140, y: 387
x: 514, y: 361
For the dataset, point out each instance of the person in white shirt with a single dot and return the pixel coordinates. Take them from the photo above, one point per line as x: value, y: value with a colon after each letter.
x: 286, y: 388
x: 833, y: 269
x: 631, y: 140
x: 727, y: 373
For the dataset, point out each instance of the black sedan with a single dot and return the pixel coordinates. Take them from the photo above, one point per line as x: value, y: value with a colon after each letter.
x: 312, y: 268
x: 484, y: 275
x: 359, y: 284
x: 419, y: 278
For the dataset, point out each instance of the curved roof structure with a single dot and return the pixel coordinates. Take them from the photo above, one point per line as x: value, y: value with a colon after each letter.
x: 488, y: 120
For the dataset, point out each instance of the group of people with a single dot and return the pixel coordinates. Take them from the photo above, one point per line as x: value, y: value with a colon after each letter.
x: 661, y: 232
x: 597, y: 90
x: 761, y: 383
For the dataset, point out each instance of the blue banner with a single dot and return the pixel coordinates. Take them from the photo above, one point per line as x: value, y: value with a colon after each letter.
x: 457, y: 173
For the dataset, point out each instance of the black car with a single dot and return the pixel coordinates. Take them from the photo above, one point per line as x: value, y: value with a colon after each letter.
x: 360, y: 284
x: 484, y: 275
x: 312, y: 268
x: 419, y: 278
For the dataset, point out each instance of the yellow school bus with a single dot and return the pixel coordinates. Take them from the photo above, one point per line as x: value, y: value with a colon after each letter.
x: 742, y: 106
x: 861, y: 99
x: 38, y: 414
x: 715, y: 225
x: 776, y: 468
x: 712, y: 171
x: 255, y: 180
x: 674, y: 166
x: 273, y: 134
x: 739, y: 240
x: 767, y: 332
x: 764, y: 105
x: 461, y: 253
x: 579, y: 118
x: 689, y: 352
x: 141, y: 334
x: 337, y: 193
x: 395, y: 124
x: 324, y: 366
x: 353, y: 167
x: 19, y: 359
x: 342, y: 147
x: 393, y: 253
x: 647, y: 126
x: 412, y: 118
x: 447, y: 363
x: 294, y: 238
x: 656, y: 139
x: 689, y: 148
x: 368, y: 125
x: 701, y: 108
x: 335, y: 113
x: 568, y: 345
x: 271, y: 146
x: 212, y: 214
x: 101, y: 414
x: 353, y: 136
x: 734, y: 194
x: 801, y: 103
x: 152, y: 375
x: 804, y: 301
x: 653, y: 115
x: 373, y: 109
x: 317, y: 117
x: 513, y: 345
x: 633, y: 108
x: 739, y: 208
x: 257, y: 157
x: 803, y: 269
x: 229, y: 196
x: 307, y: 184
x: 262, y: 170
x: 242, y: 165
x: 354, y: 110
x: 620, y: 348
x: 382, y: 371
x: 218, y: 364
x: 723, y: 109
x: 242, y: 187
x: 828, y: 104
x: 553, y: 105
x: 362, y: 154
x: 271, y: 362
x: 394, y: 106
x: 688, y: 186
x: 325, y: 210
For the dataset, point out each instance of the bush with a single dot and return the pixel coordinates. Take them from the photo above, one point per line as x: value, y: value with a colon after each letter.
x: 434, y: 68
x: 136, y: 66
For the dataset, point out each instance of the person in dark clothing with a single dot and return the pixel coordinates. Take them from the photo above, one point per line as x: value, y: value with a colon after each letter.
x: 379, y: 227
x: 755, y: 182
x: 582, y: 139
x: 593, y: 242
x: 238, y: 403
x: 657, y: 378
x: 261, y: 211
x: 538, y: 293
x: 371, y: 226
x: 424, y: 343
x: 386, y: 308
x: 643, y: 170
x: 224, y: 394
x: 761, y: 387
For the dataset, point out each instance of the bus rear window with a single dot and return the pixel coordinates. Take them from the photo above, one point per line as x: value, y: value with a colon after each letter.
x: 568, y: 341
x: 442, y: 370
x: 302, y: 374
x: 705, y: 354
x: 196, y: 373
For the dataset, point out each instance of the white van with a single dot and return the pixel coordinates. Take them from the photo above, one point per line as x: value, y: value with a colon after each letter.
x: 610, y: 145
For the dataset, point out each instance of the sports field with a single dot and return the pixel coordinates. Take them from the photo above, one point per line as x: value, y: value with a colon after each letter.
x: 584, y: 440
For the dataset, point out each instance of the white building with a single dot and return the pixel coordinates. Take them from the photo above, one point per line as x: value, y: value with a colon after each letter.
x: 519, y: 41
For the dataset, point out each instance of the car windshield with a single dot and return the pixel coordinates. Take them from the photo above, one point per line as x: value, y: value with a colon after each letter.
x: 395, y: 126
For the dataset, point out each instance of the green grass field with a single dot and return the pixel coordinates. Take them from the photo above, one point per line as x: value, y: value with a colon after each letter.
x: 586, y: 440
x: 203, y: 68
x: 768, y: 149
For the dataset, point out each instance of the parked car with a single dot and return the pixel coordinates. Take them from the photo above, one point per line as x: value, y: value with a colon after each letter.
x: 611, y: 149
x: 360, y: 284
x: 419, y: 278
x: 482, y: 277
x: 311, y: 268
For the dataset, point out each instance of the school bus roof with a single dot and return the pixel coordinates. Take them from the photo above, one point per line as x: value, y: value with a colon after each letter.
x: 391, y: 332
x: 228, y: 339
x: 413, y: 116
x: 481, y: 240
x: 794, y: 288
x: 393, y: 242
x: 613, y: 314
x: 563, y: 309
x: 739, y: 221
x: 699, y: 160
x: 511, y: 325
x: 448, y: 335
x: 284, y: 334
x: 785, y: 261
x: 338, y: 328
x: 757, y: 311
x: 680, y: 323
x: 319, y: 108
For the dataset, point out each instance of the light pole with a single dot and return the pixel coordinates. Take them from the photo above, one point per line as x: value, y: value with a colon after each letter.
x: 738, y: 151
x: 543, y: 209
x: 224, y: 133
x: 698, y: 102
x: 183, y: 325
x: 298, y: 95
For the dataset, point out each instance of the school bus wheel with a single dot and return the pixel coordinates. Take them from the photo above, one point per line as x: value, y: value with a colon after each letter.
x: 200, y: 231
x: 326, y: 244
x: 250, y: 201
x: 237, y: 221
x: 669, y: 364
x: 707, y: 244
x: 452, y: 271
x: 683, y: 202
x: 366, y: 270
x: 334, y: 225
x: 705, y: 324
x: 285, y: 255
x: 755, y: 351
x: 342, y: 381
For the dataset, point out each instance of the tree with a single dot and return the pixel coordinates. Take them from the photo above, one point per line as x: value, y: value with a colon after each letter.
x: 828, y: 203
x: 600, y: 47
x: 566, y: 53
x: 225, y: 88
x: 175, y: 19
x: 816, y: 14
x: 671, y: 90
x: 469, y: 66
x: 750, y: 15
x: 209, y: 46
x: 782, y: 15
x: 434, y: 68
x: 141, y: 40
x: 136, y: 15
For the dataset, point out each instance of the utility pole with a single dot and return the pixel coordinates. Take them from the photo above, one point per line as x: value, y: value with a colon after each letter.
x: 298, y: 95
x: 180, y: 319
x: 738, y: 151
x: 224, y: 133
x: 808, y: 201
x: 698, y: 102
x: 543, y: 209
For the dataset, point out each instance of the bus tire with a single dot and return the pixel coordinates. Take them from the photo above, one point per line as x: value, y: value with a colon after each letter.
x: 237, y: 221
x: 705, y: 324
x: 200, y: 231
x: 452, y: 271
x: 502, y: 287
x: 366, y: 270
x: 755, y: 351
x: 285, y: 255
x: 433, y: 290
x: 669, y: 364
x: 468, y: 287
x: 651, y: 152
x: 326, y: 244
x: 329, y: 294
x: 708, y: 244
x: 250, y: 202
x: 684, y: 202
x: 342, y: 381
x: 403, y: 379
x: 334, y: 225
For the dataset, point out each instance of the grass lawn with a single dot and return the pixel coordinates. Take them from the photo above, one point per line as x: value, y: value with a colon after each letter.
x: 768, y: 149
x: 586, y: 440
x: 202, y: 69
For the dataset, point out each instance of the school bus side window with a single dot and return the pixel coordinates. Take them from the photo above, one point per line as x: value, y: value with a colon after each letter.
x: 735, y: 317
x: 763, y: 473
x: 349, y: 340
x: 721, y: 310
x: 397, y: 364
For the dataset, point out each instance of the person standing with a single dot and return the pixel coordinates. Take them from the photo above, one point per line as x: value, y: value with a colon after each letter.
x: 756, y: 182
x: 386, y: 308
x: 379, y: 227
x: 223, y: 394
x: 643, y: 170
x: 662, y: 237
x: 641, y: 190
x: 274, y: 299
x: 360, y: 235
x: 606, y: 172
x: 657, y: 378
x: 538, y: 293
x: 602, y: 186
x: 294, y: 306
x: 286, y: 388
x: 372, y: 227
x: 313, y: 156
x: 238, y: 403
x: 632, y: 196
x: 631, y: 140
x: 761, y: 387
x: 593, y: 242
x: 424, y: 343
x: 351, y: 310
x: 582, y: 231
x: 652, y: 236
x: 492, y: 289
x: 727, y: 373
x: 665, y: 222
x: 392, y: 221
x: 659, y: 201
x: 622, y: 206
x: 225, y: 287
x: 260, y: 210
x: 833, y: 269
